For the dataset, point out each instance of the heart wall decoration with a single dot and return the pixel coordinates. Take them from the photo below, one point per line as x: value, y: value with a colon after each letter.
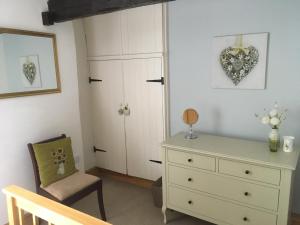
x: 30, y: 72
x: 239, y: 61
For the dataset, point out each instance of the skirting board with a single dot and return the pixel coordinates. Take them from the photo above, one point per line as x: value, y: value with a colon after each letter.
x: 99, y: 172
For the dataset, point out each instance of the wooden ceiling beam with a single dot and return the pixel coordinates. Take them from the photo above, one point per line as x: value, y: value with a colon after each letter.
x: 64, y: 10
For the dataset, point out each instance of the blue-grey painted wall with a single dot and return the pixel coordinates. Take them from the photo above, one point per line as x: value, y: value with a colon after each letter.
x: 192, y: 26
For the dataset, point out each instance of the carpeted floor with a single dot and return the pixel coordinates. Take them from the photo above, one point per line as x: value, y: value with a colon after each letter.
x: 127, y: 204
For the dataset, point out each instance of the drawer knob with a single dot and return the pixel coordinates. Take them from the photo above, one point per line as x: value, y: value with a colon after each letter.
x: 190, y: 202
x: 190, y: 179
x: 245, y: 219
x: 247, y: 171
x: 246, y: 193
x: 190, y: 160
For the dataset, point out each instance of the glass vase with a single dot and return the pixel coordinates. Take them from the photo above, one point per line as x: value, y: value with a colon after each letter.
x: 274, y: 140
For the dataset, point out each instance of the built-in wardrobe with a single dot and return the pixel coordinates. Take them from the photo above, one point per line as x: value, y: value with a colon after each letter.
x: 127, y: 70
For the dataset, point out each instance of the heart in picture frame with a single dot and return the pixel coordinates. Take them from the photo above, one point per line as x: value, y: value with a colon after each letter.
x: 238, y: 62
x: 29, y: 70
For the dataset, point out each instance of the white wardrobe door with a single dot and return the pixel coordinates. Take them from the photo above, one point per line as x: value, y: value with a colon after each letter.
x: 109, y: 133
x: 103, y: 34
x: 142, y: 29
x: 144, y: 126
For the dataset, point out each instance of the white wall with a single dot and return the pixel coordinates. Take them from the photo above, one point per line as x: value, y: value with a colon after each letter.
x: 84, y: 94
x: 192, y: 25
x: 29, y: 119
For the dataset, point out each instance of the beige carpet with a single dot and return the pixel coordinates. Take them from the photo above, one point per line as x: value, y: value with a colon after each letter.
x: 126, y: 204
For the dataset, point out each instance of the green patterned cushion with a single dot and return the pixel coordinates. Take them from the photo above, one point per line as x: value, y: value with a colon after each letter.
x: 55, y: 160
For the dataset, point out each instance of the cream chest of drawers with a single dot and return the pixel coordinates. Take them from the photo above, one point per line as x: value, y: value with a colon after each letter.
x: 227, y: 181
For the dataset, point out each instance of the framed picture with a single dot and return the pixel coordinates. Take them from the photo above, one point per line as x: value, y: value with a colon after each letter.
x: 239, y: 61
x: 28, y: 63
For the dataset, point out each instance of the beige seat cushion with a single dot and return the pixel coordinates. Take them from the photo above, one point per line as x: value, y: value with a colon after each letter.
x: 70, y: 185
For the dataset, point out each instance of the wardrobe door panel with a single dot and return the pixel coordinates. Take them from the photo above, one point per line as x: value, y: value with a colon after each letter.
x: 142, y: 29
x: 144, y: 126
x: 103, y: 34
x: 109, y: 133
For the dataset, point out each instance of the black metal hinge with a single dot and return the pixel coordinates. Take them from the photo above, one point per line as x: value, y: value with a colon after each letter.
x: 94, y: 80
x: 161, y: 80
x: 155, y: 161
x: 98, y: 150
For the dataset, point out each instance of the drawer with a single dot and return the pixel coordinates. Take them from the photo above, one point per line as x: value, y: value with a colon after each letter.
x: 248, y: 171
x: 201, y: 205
x: 256, y: 195
x: 194, y: 160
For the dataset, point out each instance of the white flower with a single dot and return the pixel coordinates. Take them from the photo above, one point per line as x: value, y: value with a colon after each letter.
x: 275, y: 121
x: 265, y: 120
x: 273, y: 113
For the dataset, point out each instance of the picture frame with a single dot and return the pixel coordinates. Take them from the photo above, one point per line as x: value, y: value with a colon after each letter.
x: 28, y: 63
x: 239, y: 61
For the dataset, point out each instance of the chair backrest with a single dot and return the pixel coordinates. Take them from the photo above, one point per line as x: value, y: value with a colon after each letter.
x: 34, y: 162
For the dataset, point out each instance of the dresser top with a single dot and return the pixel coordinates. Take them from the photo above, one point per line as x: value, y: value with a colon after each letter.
x: 234, y: 148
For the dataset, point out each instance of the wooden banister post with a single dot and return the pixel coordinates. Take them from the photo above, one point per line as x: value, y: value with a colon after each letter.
x: 35, y: 220
x: 21, y: 216
x: 20, y: 200
x: 12, y: 210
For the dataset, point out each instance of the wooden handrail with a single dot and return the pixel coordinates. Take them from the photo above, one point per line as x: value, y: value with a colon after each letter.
x: 20, y: 200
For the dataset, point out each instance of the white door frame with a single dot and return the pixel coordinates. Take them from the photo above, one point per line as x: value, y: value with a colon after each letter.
x: 166, y: 70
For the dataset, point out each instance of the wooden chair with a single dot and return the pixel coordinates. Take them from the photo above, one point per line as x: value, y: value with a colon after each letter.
x: 55, y: 191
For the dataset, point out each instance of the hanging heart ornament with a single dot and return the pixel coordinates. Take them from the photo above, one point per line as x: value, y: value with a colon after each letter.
x: 29, y: 70
x: 238, y: 62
